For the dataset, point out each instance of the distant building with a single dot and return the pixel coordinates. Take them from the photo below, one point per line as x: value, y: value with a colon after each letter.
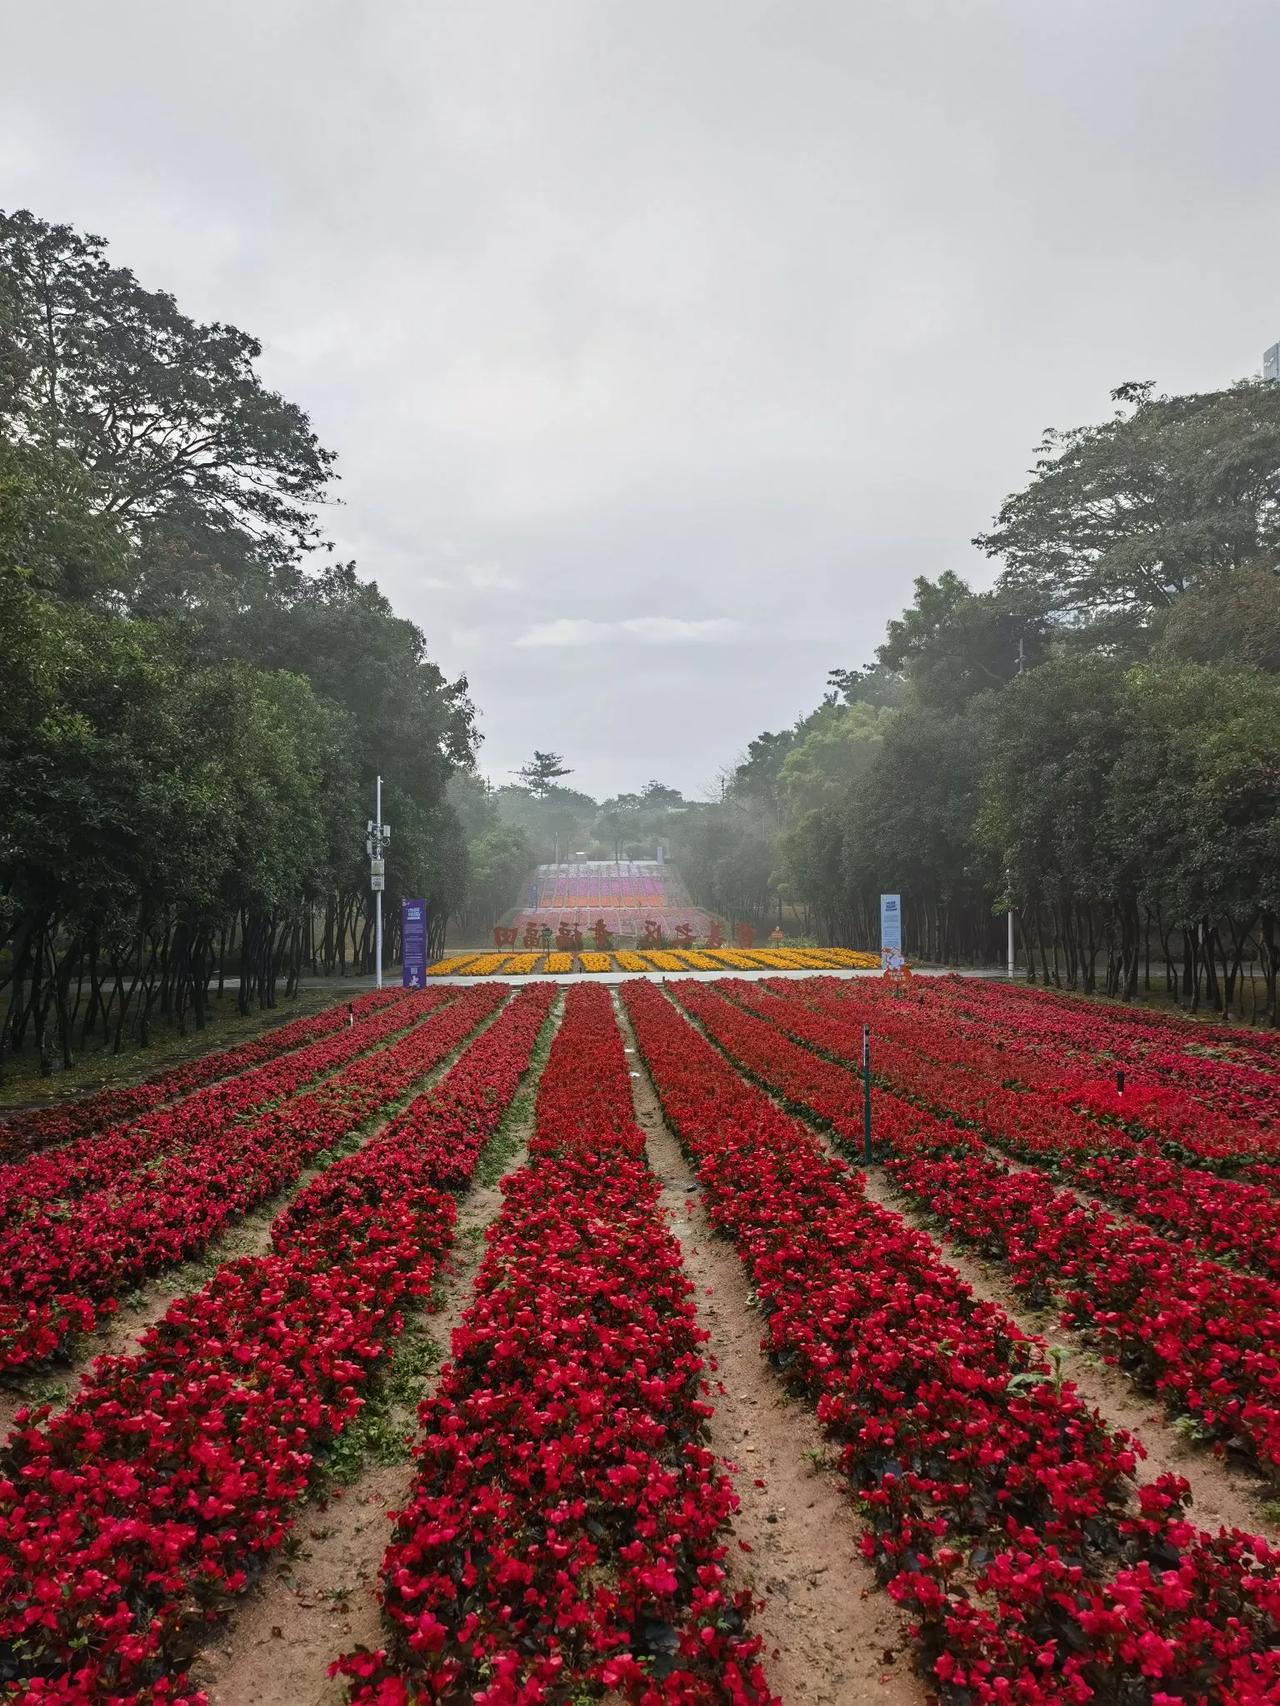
x: 1271, y: 363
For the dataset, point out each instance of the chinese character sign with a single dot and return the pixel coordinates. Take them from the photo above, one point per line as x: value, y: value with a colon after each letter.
x: 413, y: 937
x: 891, y: 930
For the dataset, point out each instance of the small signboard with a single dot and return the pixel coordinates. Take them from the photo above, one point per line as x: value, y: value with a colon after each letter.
x: 891, y: 931
x: 413, y: 938
x: 377, y: 875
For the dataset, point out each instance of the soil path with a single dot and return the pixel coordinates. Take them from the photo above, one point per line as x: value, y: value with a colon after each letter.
x: 278, y: 1643
x: 831, y: 1636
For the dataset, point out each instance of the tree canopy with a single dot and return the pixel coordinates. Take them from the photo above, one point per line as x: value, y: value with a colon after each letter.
x: 1094, y: 740
x: 197, y: 698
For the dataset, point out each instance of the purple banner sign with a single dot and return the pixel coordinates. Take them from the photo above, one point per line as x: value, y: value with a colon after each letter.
x: 413, y: 936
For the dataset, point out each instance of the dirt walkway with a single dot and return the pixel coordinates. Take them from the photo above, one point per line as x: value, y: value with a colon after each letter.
x: 831, y: 1636
x: 321, y: 1600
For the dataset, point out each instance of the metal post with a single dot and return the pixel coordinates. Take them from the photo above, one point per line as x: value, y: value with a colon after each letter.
x: 1010, y: 941
x: 1120, y: 1082
x: 377, y: 929
x: 866, y: 1095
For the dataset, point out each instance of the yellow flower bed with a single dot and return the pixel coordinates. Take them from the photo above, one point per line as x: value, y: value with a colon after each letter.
x: 660, y: 959
x: 735, y: 957
x: 455, y: 962
x: 483, y: 965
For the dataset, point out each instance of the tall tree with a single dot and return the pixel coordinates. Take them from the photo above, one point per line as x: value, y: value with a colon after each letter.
x: 1120, y: 520
x: 159, y: 412
x: 542, y: 772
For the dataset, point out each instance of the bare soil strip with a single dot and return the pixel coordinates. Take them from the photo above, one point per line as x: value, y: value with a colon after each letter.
x: 318, y: 1598
x: 1222, y: 1493
x: 832, y: 1637
x: 121, y: 1334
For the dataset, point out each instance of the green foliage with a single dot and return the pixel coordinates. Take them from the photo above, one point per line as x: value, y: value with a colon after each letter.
x: 1124, y: 518
x: 192, y: 719
x: 152, y: 407
x: 542, y: 772
x: 1093, y: 741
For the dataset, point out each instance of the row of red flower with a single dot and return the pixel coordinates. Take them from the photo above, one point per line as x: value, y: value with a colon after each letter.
x: 567, y: 1527
x: 999, y: 1509
x: 917, y: 1056
x: 128, y: 1521
x: 64, y: 1268
x: 109, y: 1158
x: 1202, y: 1336
x: 1234, y: 1141
x: 1233, y: 1133
x: 1237, y: 1079
x: 1150, y: 1029
x: 37, y: 1128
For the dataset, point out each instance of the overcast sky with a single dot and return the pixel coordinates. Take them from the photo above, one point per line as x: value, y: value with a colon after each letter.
x: 663, y: 343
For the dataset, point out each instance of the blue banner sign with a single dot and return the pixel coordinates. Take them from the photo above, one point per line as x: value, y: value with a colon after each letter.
x: 413, y: 937
x: 891, y: 930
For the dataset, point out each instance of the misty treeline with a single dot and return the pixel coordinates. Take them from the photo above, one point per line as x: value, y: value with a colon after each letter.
x: 1094, y: 742
x: 197, y: 695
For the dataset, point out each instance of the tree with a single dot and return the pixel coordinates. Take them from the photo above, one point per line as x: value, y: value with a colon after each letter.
x: 953, y: 644
x: 835, y: 753
x: 1120, y: 520
x: 157, y: 411
x: 1233, y: 620
x: 1054, y: 738
x: 49, y: 527
x: 542, y: 772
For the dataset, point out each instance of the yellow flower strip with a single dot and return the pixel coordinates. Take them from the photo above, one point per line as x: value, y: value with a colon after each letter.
x: 519, y: 965
x: 455, y: 962
x: 559, y: 962
x: 594, y: 961
x: 731, y: 957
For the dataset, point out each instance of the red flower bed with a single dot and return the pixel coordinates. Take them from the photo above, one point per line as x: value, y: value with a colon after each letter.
x: 1195, y: 1114
x: 566, y: 1532
x: 36, y: 1128
x: 1205, y: 1338
x: 109, y: 1158
x: 963, y: 1080
x: 128, y: 1521
x: 65, y: 1266
x: 999, y: 1508
x: 1227, y: 1068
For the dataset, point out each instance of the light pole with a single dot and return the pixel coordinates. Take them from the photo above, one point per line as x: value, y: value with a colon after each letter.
x: 375, y: 846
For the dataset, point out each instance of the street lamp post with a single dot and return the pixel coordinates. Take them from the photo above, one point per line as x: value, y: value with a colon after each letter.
x: 375, y: 845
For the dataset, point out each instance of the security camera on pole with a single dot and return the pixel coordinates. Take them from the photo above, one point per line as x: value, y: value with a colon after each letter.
x: 376, y: 846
